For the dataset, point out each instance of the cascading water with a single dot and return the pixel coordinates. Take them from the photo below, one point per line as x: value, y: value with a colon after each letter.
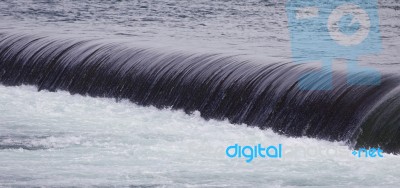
x: 253, y: 92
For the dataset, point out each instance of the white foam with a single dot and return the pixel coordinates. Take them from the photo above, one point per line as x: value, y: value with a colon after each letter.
x: 96, y: 141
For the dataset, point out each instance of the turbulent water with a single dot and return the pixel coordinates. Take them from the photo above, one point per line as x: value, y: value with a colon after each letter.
x: 66, y: 140
x: 206, y: 70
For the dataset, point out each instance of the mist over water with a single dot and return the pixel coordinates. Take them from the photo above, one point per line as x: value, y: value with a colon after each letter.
x: 58, y: 139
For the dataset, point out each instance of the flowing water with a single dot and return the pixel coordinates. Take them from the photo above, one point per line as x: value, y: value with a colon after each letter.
x: 150, y: 94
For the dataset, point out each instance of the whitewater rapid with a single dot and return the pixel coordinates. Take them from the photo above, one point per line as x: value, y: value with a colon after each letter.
x: 72, y: 140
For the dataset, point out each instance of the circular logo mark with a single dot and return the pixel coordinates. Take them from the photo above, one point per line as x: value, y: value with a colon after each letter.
x: 359, y: 21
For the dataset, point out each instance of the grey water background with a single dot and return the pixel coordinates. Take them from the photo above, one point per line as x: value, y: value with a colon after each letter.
x: 257, y: 27
x: 52, y: 139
